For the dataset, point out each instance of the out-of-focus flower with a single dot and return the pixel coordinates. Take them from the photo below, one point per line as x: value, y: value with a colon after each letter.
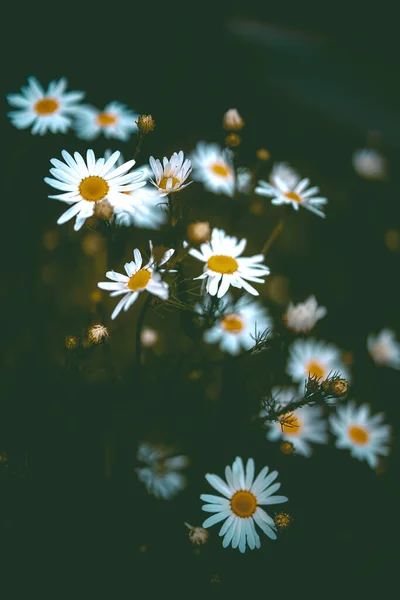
x: 299, y: 427
x: 282, y: 520
x: 44, y: 111
x: 237, y: 329
x: 146, y: 123
x: 137, y: 279
x: 161, y: 474
x: 213, y: 167
x: 114, y: 121
x: 223, y: 266
x: 302, y: 317
x: 363, y: 434
x: 232, y: 120
x: 370, y: 164
x: 170, y: 176
x: 285, y: 188
x: 197, y: 535
x: 233, y: 140
x: 71, y: 342
x: 240, y: 506
x: 98, y: 334
x: 384, y: 349
x: 200, y: 231
x: 243, y: 180
x: 148, y: 337
x: 263, y: 154
x: 84, y: 183
x: 315, y: 359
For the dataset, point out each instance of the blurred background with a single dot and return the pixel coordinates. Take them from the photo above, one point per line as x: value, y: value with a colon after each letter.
x: 313, y: 86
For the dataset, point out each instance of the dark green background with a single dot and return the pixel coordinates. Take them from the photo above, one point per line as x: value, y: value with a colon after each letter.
x: 63, y: 525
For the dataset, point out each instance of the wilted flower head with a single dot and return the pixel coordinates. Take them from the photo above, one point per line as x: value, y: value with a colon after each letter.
x: 232, y: 120
x: 71, y: 342
x: 302, y: 317
x: 98, y: 333
x: 282, y: 520
x: 370, y: 164
x: 233, y: 140
x: 197, y: 535
x: 146, y: 123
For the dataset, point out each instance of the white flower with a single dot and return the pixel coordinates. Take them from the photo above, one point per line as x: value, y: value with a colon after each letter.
x: 213, y: 167
x: 239, y: 325
x: 148, y: 337
x: 170, y: 176
x: 302, y: 317
x: 161, y: 475
x: 299, y: 427
x: 384, y: 349
x: 362, y: 434
x: 240, y: 507
x: 286, y: 188
x: 45, y: 111
x: 314, y: 358
x: 243, y: 180
x: 137, y: 279
x: 223, y: 268
x: 369, y: 164
x: 85, y: 183
x: 114, y: 121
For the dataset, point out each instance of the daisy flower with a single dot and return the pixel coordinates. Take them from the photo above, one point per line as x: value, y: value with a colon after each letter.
x: 369, y: 164
x: 161, y: 474
x: 45, y: 111
x: 303, y: 317
x: 244, y: 179
x: 170, y: 176
x: 137, y: 279
x: 285, y: 188
x: 299, y: 427
x: 213, y: 167
x: 223, y: 266
x: 240, y: 506
x: 384, y: 349
x: 315, y: 359
x: 239, y: 325
x: 114, y: 121
x: 84, y: 184
x: 363, y: 434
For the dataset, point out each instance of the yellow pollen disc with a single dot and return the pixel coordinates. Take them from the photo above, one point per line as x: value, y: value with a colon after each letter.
x: 293, y: 196
x: 221, y: 169
x: 46, y: 106
x: 315, y: 369
x: 232, y: 323
x: 222, y: 264
x: 139, y: 280
x: 163, y: 182
x: 290, y: 424
x: 243, y: 504
x: 93, y: 188
x: 358, y: 435
x: 105, y: 119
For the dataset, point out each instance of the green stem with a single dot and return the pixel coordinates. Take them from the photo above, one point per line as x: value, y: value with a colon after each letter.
x: 278, y: 228
x: 139, y: 145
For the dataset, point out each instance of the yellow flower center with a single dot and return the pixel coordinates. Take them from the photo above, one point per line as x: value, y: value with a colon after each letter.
x: 358, y: 435
x: 293, y: 196
x: 243, y: 504
x: 290, y: 424
x: 232, y: 323
x: 46, y: 106
x: 139, y: 280
x: 163, y: 182
x: 93, y: 188
x: 315, y: 369
x: 104, y: 119
x: 222, y: 264
x: 221, y: 169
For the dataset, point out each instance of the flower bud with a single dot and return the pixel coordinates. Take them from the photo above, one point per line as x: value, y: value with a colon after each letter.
x: 336, y: 387
x: 197, y: 535
x: 263, y: 154
x: 146, y: 123
x: 103, y: 210
x: 232, y: 120
x: 233, y: 140
x: 148, y: 337
x: 71, y: 342
x: 98, y: 334
x: 200, y: 231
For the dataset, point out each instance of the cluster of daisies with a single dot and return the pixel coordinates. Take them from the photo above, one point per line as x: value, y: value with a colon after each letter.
x: 123, y: 194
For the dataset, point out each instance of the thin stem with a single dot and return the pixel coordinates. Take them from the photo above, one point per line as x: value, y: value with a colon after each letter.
x: 139, y: 145
x: 139, y: 329
x: 273, y: 236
